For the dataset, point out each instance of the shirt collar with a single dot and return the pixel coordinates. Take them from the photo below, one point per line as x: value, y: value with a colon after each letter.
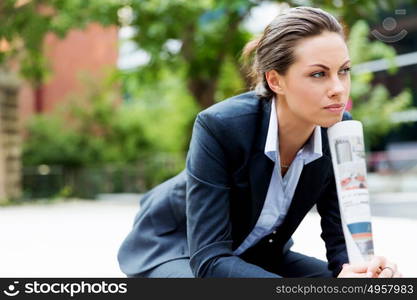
x: 272, y: 136
x: 311, y: 151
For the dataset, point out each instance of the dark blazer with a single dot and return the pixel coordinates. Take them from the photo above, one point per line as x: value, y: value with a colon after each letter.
x: 207, y: 210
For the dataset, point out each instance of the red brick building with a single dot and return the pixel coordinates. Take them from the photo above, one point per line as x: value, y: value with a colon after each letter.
x: 92, y: 51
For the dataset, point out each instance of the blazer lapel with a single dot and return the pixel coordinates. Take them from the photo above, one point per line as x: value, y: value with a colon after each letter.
x: 260, y: 166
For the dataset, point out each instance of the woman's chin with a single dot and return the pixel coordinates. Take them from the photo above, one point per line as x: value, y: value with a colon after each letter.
x: 330, y: 122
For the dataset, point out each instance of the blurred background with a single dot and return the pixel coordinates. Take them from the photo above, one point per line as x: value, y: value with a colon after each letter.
x: 98, y: 99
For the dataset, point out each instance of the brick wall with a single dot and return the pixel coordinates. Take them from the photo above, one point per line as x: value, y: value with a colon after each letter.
x: 92, y: 51
x: 10, y: 140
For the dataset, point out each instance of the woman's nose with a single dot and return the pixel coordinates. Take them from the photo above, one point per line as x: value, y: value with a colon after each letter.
x: 337, y: 87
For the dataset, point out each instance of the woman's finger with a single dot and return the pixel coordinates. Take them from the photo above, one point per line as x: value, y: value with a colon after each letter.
x: 387, y: 273
x: 358, y: 267
x: 376, y: 263
x: 357, y: 275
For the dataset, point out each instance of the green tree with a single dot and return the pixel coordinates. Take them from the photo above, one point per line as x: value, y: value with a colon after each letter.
x: 204, y: 68
x: 210, y: 35
x: 351, y: 11
x: 372, y: 104
x: 26, y: 22
x: 95, y: 130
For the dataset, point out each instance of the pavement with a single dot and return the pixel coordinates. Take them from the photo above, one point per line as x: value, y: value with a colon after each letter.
x: 80, y: 238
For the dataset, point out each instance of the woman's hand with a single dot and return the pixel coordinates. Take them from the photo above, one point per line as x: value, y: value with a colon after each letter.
x: 354, y: 271
x: 378, y: 267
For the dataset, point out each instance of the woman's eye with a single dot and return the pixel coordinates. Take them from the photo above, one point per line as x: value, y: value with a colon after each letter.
x: 345, y: 70
x: 317, y: 75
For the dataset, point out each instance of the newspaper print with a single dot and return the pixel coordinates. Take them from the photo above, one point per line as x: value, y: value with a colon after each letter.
x: 349, y: 165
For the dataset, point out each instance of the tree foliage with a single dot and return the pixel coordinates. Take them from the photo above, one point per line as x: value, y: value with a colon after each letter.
x: 194, y: 49
x: 211, y: 33
x: 372, y: 104
x: 97, y: 130
x: 92, y: 130
x: 26, y: 22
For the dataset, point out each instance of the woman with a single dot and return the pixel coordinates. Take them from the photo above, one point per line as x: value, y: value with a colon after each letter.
x: 257, y: 163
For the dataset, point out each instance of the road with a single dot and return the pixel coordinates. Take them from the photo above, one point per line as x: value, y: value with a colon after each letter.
x: 81, y: 238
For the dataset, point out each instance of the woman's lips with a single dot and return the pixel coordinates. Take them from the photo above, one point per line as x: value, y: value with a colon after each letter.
x: 336, y: 108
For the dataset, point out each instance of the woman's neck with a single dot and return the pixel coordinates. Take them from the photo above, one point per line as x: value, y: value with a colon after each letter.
x: 293, y: 133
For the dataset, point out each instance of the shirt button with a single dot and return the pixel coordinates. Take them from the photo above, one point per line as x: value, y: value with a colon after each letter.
x: 271, y: 240
x: 274, y: 232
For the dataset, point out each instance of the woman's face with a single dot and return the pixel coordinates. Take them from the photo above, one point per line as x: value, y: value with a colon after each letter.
x: 316, y: 86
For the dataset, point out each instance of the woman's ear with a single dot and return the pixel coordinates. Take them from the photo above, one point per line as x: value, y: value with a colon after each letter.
x: 275, y: 81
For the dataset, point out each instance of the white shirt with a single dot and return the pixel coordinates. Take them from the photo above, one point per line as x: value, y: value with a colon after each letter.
x: 281, y: 190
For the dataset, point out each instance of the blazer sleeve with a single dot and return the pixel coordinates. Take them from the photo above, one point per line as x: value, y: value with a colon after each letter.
x: 331, y: 225
x: 207, y: 205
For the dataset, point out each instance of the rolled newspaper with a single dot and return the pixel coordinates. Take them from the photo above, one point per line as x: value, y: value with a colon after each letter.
x: 349, y: 165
